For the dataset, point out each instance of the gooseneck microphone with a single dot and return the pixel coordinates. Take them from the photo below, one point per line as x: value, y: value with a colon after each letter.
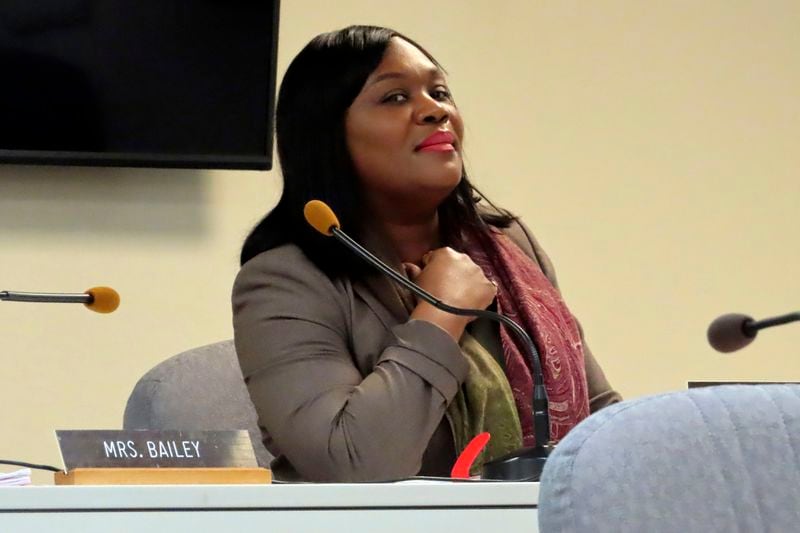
x: 98, y: 299
x: 734, y: 331
x: 522, y: 465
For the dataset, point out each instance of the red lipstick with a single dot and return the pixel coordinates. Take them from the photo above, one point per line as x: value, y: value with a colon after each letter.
x: 439, y: 141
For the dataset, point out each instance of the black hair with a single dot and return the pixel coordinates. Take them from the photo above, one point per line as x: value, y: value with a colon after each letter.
x: 317, y: 89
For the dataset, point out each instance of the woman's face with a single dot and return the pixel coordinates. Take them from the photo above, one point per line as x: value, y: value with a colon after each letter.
x: 404, y: 133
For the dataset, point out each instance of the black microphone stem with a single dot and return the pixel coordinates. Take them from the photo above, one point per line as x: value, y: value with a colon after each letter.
x: 541, y: 423
x: 15, y: 296
x: 752, y: 326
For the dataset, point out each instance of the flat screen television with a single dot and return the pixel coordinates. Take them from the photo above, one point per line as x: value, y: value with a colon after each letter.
x: 144, y: 83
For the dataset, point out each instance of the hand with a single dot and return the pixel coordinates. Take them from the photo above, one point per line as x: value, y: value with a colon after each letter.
x: 456, y: 280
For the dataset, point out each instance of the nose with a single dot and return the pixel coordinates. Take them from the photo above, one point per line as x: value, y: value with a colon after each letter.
x: 432, y: 112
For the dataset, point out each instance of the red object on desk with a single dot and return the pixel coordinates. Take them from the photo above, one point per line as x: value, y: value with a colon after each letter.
x: 471, y: 451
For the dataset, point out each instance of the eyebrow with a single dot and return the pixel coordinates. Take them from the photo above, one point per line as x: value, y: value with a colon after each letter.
x: 432, y: 72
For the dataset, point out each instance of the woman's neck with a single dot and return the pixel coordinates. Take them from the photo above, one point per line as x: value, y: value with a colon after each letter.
x: 412, y: 239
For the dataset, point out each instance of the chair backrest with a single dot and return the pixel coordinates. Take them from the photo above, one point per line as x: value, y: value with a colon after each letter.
x: 200, y: 389
x: 709, y: 459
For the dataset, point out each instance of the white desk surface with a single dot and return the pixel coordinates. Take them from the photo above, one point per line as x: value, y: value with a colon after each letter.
x: 379, y: 507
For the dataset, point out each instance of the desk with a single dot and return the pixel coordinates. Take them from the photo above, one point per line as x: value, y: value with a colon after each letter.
x: 447, y: 508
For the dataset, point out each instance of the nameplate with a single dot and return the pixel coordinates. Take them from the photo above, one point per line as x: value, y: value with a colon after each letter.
x: 155, y: 449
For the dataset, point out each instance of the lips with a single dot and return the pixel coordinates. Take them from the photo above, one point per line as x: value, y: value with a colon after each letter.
x: 439, y: 141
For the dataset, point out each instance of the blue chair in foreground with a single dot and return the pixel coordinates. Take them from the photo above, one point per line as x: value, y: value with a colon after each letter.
x: 704, y: 460
x: 200, y: 389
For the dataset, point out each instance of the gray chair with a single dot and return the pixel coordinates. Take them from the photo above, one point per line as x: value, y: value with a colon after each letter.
x: 199, y: 389
x: 710, y: 459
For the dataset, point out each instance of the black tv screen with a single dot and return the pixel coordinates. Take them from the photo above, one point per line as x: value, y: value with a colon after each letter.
x: 156, y: 83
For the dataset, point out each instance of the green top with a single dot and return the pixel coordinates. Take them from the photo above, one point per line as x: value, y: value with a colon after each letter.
x: 484, y: 403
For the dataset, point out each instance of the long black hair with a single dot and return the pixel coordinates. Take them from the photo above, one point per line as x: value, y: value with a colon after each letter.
x: 317, y: 89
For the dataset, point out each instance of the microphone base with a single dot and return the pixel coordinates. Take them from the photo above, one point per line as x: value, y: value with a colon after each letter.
x: 525, y: 464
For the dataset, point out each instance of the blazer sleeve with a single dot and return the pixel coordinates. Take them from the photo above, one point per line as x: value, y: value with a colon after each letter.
x: 601, y: 393
x: 291, y: 329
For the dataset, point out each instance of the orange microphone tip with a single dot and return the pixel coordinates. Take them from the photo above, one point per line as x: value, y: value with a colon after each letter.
x: 321, y: 217
x: 104, y: 299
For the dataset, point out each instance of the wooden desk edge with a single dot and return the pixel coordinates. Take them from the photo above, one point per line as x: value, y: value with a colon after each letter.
x: 164, y: 476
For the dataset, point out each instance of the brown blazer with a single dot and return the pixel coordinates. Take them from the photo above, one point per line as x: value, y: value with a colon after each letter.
x: 348, y: 387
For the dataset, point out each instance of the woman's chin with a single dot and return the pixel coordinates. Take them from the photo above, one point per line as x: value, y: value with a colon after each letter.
x: 444, y: 176
x: 438, y: 187
x: 450, y: 181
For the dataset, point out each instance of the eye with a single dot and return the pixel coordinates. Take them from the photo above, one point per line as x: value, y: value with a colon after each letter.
x: 395, y: 98
x: 441, y: 93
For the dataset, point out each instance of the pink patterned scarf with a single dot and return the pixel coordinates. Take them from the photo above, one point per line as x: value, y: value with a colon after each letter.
x: 526, y: 296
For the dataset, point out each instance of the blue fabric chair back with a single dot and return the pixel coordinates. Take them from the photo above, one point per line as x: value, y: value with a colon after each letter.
x: 710, y: 459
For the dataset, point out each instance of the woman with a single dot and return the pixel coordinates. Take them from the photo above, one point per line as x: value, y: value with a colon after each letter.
x: 351, y: 377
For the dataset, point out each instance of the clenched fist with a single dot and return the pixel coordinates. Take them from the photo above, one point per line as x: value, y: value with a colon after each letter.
x: 457, y: 281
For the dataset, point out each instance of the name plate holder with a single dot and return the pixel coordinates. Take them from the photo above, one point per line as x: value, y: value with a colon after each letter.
x: 150, y: 457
